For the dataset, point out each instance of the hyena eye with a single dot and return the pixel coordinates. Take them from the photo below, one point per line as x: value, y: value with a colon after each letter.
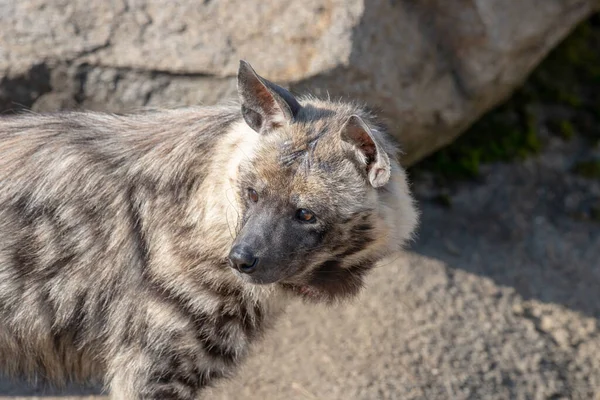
x: 305, y: 215
x: 252, y: 195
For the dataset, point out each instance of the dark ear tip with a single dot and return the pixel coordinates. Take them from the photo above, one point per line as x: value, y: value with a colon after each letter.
x: 356, y: 121
x: 245, y: 67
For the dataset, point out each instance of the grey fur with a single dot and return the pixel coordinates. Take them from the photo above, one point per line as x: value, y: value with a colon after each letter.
x: 115, y: 231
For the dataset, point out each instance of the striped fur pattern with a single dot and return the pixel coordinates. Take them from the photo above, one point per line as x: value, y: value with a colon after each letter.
x: 115, y: 232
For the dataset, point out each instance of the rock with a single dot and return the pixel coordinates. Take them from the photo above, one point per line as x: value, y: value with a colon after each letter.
x: 432, y: 67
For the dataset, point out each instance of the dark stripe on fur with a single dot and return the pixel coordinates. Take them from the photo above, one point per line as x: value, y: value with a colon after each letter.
x: 202, y: 322
x: 138, y: 236
x: 216, y: 350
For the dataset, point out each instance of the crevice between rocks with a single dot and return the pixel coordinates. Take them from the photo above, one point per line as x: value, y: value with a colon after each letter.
x: 21, y: 92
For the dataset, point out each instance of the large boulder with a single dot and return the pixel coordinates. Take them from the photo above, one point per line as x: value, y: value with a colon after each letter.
x: 431, y: 66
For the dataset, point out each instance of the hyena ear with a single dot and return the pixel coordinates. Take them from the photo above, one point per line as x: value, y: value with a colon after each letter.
x: 264, y: 104
x: 358, y: 134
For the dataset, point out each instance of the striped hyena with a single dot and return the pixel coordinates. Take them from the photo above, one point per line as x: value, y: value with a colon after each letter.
x: 151, y: 250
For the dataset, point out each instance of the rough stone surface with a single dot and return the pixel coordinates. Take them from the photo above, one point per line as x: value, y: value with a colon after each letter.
x: 431, y: 66
x: 496, y: 299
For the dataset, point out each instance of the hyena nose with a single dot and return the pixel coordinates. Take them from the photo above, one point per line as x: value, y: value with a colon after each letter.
x: 243, y: 259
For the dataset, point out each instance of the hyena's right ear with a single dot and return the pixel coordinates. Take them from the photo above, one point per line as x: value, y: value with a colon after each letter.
x: 264, y: 104
x: 358, y: 134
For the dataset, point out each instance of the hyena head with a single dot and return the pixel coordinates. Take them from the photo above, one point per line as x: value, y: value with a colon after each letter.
x: 321, y: 196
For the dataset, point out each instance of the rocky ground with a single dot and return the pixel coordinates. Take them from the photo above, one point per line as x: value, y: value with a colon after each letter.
x: 498, y: 298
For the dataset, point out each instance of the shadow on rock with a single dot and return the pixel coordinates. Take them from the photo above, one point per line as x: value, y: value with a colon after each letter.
x: 528, y: 227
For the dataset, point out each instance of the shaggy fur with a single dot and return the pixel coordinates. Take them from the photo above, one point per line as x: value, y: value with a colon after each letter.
x: 115, y: 233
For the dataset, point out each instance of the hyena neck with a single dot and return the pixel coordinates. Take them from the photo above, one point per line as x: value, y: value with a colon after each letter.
x: 220, y: 200
x: 197, y: 233
x: 398, y: 211
x: 214, y: 206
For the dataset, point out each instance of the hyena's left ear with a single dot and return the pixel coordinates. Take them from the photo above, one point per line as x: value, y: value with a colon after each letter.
x: 265, y: 105
x: 358, y: 134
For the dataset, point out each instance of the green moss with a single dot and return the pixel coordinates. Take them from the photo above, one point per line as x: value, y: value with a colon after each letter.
x: 504, y: 135
x: 567, y: 130
x: 588, y: 169
x: 569, y: 78
x: 564, y: 77
x: 562, y: 127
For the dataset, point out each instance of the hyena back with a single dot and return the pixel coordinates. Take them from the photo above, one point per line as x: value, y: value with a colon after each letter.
x: 150, y: 250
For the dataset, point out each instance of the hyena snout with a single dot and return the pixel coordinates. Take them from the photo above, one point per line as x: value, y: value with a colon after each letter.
x: 268, y: 248
x: 243, y: 259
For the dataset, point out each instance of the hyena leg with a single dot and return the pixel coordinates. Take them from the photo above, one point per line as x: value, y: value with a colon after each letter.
x: 138, y: 374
